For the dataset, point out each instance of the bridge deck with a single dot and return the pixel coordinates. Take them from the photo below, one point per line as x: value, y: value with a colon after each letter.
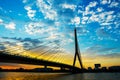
x: 27, y: 60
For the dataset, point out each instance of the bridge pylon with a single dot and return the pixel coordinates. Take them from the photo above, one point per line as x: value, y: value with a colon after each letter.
x: 77, y: 51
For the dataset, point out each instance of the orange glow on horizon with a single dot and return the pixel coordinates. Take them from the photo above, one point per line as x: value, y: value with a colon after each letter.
x: 86, y: 64
x: 66, y: 59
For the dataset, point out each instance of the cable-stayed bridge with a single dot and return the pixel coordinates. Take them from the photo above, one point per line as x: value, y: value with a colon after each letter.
x: 16, y: 58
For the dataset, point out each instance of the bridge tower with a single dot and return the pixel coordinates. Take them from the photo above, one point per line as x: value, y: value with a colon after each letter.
x: 77, y: 51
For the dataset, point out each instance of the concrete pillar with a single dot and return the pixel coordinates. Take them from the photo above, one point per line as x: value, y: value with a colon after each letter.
x: 62, y: 68
x: 45, y: 66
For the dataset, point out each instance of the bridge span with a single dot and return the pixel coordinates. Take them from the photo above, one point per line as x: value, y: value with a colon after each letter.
x: 6, y: 57
x: 27, y: 60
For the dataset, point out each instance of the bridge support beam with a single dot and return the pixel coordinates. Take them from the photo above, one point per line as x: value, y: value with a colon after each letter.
x: 77, y: 51
x: 62, y: 68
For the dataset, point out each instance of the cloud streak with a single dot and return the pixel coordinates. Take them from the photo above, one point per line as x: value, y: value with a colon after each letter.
x: 99, y: 50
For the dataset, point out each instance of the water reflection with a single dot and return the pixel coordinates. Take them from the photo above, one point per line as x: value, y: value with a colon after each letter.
x: 73, y: 77
x: 92, y: 76
x: 29, y: 76
x: 58, y: 76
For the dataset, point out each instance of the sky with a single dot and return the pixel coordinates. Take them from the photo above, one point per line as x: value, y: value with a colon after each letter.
x: 50, y: 24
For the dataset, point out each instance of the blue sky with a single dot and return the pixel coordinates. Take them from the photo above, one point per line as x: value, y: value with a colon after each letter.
x: 38, y: 22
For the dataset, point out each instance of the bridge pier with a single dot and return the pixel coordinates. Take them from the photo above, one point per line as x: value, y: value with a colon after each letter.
x: 45, y: 66
x: 77, y: 51
x: 62, y: 68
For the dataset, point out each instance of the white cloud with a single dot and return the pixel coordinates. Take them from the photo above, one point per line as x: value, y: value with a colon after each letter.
x: 87, y: 8
x: 51, y: 29
x: 24, y: 1
x: 80, y: 11
x: 105, y: 23
x: 51, y: 15
x: 27, y: 7
x: 102, y: 15
x: 34, y: 28
x: 57, y: 23
x: 1, y: 21
x: 52, y: 36
x: 85, y: 18
x: 109, y: 27
x: 104, y: 18
x: 109, y: 17
x: 10, y: 25
x: 93, y: 4
x: 83, y: 22
x: 94, y: 18
x: 114, y: 4
x: 88, y: 12
x: 99, y: 9
x: 69, y: 6
x: 99, y: 15
x: 76, y: 20
x: 104, y: 2
x: 30, y: 12
x: 70, y: 40
x: 109, y: 12
x: 46, y: 10
x: 38, y: 28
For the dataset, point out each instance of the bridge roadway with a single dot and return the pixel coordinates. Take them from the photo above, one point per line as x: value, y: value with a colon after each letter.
x: 4, y: 57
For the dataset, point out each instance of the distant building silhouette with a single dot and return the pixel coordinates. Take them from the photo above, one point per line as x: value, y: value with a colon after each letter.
x: 0, y: 68
x: 104, y: 68
x: 114, y: 68
x: 89, y: 69
x: 97, y: 66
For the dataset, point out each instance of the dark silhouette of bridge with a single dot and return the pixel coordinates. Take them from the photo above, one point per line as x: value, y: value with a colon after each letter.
x: 9, y: 58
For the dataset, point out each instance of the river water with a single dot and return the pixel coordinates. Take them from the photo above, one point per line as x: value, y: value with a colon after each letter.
x: 58, y: 76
